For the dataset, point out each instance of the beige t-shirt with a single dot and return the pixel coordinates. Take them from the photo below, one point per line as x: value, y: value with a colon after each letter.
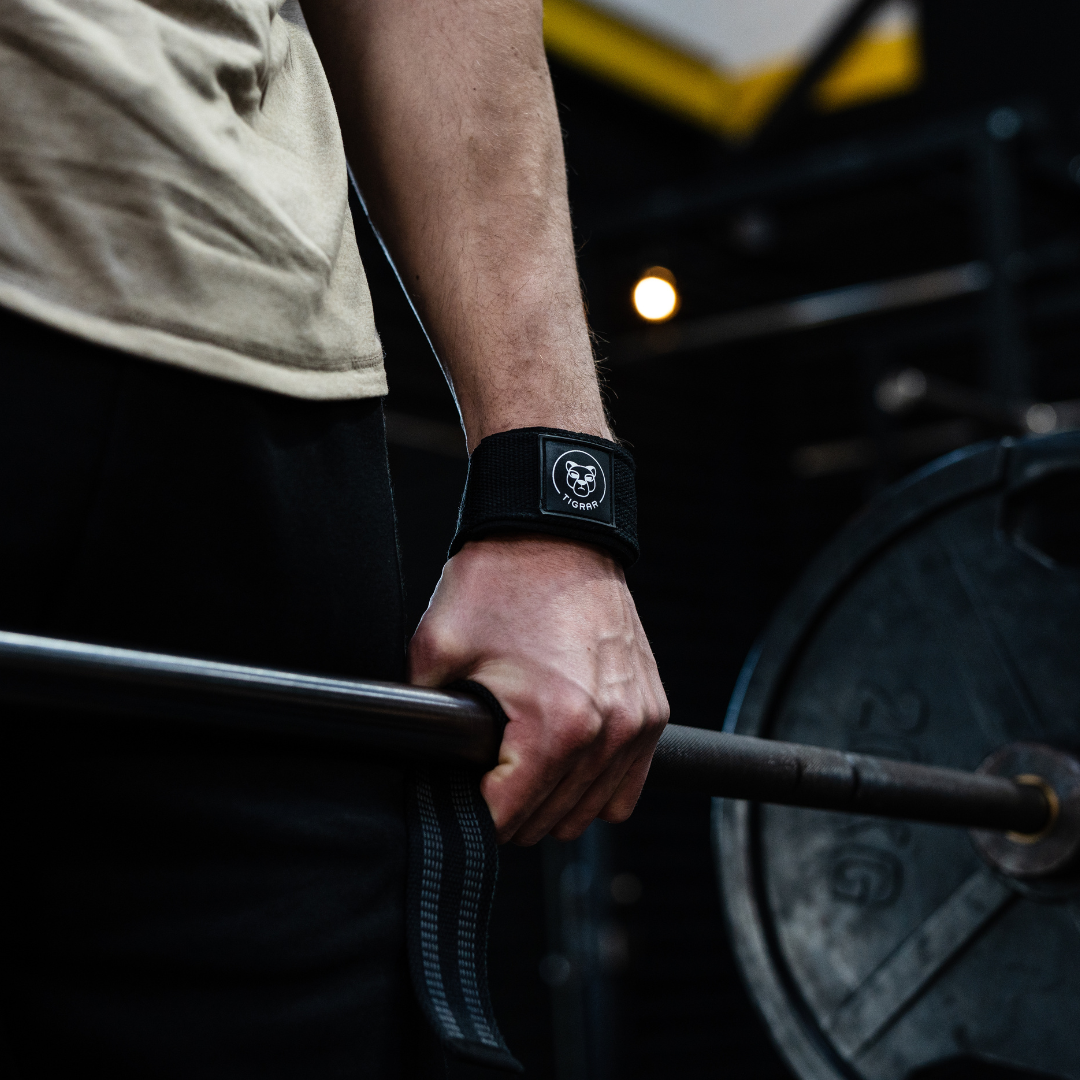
x: 173, y: 184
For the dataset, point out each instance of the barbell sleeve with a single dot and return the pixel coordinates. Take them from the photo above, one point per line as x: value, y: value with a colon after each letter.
x: 790, y: 774
x: 412, y: 722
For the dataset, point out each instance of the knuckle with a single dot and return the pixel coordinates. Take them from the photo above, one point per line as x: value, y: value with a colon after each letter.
x: 657, y: 720
x: 618, y: 814
x: 663, y: 708
x: 623, y: 729
x: 577, y: 736
x: 567, y: 830
x: 627, y: 721
x: 579, y: 728
x: 656, y: 713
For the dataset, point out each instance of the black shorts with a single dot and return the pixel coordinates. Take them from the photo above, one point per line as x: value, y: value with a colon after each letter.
x: 195, y: 907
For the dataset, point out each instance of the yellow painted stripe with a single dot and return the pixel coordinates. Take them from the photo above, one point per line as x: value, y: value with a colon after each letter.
x: 632, y: 60
x: 874, y: 67
x: 733, y: 107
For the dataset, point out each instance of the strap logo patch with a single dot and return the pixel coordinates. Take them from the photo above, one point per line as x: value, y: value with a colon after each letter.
x: 576, y: 480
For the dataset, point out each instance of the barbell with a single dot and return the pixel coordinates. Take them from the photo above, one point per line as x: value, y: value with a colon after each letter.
x: 414, y: 723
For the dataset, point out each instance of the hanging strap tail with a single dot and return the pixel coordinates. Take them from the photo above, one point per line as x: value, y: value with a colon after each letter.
x: 453, y: 867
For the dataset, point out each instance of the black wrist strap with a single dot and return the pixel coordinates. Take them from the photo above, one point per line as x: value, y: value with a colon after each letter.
x: 544, y: 480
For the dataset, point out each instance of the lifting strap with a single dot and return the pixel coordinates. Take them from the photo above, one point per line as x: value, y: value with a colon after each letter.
x: 453, y: 868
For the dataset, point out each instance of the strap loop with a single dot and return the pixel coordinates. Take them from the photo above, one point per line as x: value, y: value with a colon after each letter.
x: 545, y: 480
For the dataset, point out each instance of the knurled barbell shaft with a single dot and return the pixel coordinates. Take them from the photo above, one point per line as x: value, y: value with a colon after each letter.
x: 437, y: 724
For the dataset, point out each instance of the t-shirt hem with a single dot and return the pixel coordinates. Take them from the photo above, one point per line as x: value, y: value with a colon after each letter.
x: 364, y: 376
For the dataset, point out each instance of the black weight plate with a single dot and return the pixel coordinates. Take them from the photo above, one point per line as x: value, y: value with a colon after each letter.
x: 940, y: 625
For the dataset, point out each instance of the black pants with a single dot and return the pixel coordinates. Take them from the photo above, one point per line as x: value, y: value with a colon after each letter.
x: 199, y: 908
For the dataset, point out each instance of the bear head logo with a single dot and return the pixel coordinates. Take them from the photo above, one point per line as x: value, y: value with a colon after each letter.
x: 581, y: 479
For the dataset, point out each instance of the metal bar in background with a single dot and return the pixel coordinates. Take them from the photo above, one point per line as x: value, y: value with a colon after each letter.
x: 409, y: 721
x: 997, y: 211
x: 829, y: 167
x: 806, y: 312
x: 856, y: 455
x: 842, y: 163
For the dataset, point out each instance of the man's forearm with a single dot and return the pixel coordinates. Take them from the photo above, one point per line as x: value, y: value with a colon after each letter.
x: 450, y: 125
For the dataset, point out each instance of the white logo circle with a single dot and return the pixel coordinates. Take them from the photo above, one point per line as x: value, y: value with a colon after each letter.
x: 579, y: 480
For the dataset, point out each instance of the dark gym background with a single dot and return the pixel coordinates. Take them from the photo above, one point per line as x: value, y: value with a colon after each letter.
x: 756, y: 442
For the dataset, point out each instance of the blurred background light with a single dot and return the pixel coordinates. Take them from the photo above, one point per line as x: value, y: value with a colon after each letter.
x: 655, y: 296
